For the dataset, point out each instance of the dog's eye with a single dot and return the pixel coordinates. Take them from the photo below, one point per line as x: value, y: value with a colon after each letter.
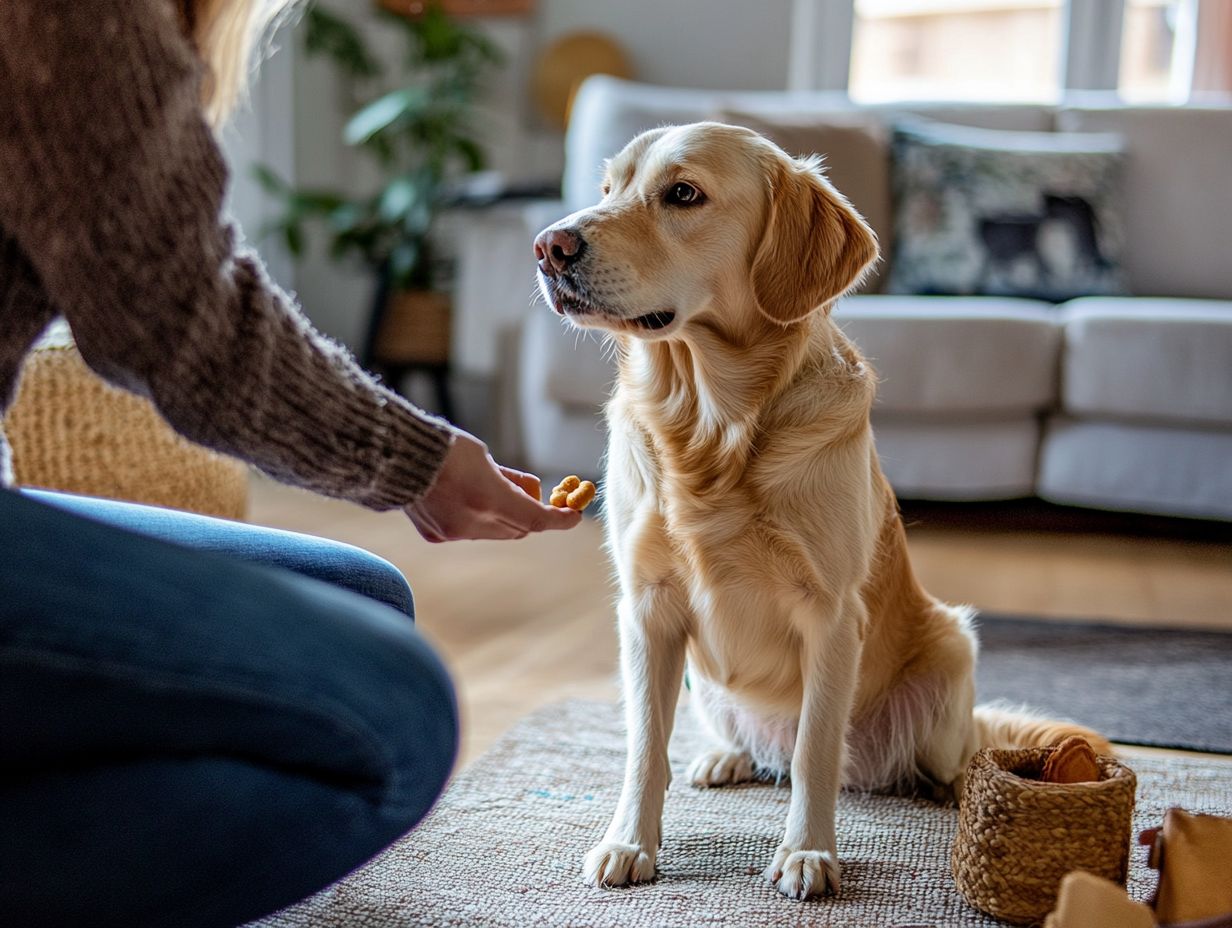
x: 683, y: 195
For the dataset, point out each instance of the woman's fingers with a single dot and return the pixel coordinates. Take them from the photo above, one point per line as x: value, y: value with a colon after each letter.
x: 533, y: 515
x: 528, y: 483
x: 474, y: 497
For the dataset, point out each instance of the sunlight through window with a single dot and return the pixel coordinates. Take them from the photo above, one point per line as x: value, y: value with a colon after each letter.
x: 956, y: 49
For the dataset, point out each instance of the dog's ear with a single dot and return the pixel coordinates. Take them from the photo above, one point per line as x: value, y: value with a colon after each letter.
x: 815, y: 246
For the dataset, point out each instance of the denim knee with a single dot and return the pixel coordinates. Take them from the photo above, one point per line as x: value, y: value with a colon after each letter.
x: 376, y: 578
x: 424, y: 737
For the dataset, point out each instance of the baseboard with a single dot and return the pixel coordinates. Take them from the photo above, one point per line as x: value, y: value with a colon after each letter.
x: 1036, y: 515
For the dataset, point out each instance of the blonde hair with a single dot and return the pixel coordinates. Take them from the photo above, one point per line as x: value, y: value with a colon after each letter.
x: 230, y: 36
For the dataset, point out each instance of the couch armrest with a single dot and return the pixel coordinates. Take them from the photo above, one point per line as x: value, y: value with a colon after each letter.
x: 562, y: 383
x: 496, y: 277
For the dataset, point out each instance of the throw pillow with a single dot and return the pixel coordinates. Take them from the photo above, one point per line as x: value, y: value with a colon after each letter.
x: 1002, y: 213
x: 856, y: 151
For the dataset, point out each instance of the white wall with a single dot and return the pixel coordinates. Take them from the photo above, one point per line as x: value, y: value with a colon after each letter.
x: 718, y: 44
x: 262, y: 131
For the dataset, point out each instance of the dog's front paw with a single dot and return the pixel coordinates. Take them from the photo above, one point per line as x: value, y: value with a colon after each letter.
x: 800, y: 874
x: 615, y: 864
x: 721, y: 768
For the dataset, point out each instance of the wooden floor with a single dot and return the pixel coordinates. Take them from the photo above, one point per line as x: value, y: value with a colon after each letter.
x: 531, y: 622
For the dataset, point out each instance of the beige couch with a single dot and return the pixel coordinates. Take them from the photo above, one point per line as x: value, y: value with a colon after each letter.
x: 1115, y: 402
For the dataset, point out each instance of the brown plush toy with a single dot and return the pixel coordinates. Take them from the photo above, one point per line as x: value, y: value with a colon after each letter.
x: 1071, y: 761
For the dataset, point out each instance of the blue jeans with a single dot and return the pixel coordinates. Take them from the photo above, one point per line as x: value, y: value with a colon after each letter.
x: 200, y: 721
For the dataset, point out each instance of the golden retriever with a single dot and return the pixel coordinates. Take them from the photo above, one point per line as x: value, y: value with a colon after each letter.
x: 752, y: 530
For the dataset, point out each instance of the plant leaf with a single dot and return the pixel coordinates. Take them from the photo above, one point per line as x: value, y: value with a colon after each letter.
x: 331, y: 35
x: 402, y: 259
x: 398, y: 197
x: 269, y: 180
x: 316, y: 201
x: 382, y: 113
x: 472, y: 154
x: 293, y: 235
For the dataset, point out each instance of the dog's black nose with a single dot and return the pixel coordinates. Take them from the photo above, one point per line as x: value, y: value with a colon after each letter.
x: 556, y: 249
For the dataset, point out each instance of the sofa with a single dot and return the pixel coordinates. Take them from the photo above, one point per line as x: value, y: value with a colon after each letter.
x: 1116, y: 402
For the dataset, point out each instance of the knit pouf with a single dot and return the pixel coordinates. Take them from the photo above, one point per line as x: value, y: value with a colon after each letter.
x: 71, y: 431
x: 1018, y: 836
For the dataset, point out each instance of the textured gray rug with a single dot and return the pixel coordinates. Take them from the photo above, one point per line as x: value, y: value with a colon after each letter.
x: 505, y: 844
x: 1161, y: 687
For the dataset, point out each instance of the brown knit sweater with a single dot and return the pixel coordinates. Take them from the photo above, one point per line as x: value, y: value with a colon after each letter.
x: 111, y: 190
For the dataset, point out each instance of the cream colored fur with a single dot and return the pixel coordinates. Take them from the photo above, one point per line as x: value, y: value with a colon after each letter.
x: 753, y: 534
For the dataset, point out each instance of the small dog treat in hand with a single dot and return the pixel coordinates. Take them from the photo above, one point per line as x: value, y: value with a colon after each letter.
x: 573, y: 493
x: 1071, y: 761
x: 560, y: 493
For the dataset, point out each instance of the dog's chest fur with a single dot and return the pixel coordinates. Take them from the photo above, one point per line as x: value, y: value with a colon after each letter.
x: 745, y: 488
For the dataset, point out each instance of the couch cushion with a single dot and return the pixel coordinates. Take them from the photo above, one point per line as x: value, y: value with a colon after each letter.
x: 956, y: 354
x: 608, y: 112
x: 957, y: 458
x: 1138, y: 468
x: 1178, y: 195
x: 856, y: 150
x: 1157, y: 359
x: 982, y: 211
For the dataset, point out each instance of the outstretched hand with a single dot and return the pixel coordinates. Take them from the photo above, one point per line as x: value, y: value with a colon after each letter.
x: 475, y: 498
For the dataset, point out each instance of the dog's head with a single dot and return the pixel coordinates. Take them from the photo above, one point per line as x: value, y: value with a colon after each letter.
x: 700, y: 219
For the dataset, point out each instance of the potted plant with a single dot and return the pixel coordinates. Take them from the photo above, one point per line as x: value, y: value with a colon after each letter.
x: 423, y: 138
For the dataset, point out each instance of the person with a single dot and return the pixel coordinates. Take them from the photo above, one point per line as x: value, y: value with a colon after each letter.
x: 200, y: 721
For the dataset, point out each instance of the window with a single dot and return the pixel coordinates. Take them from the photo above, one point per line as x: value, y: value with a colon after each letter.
x: 1148, y: 46
x: 956, y: 49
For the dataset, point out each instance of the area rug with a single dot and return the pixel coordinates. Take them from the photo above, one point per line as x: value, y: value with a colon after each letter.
x: 504, y: 846
x: 1151, y: 686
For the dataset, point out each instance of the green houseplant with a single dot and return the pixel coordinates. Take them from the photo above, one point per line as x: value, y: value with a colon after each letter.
x: 422, y: 136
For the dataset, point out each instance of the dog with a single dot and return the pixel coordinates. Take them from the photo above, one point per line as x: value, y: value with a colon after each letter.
x: 752, y: 532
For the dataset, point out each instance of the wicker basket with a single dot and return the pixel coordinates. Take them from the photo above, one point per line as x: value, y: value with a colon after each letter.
x: 70, y: 431
x: 1017, y: 836
x: 415, y: 328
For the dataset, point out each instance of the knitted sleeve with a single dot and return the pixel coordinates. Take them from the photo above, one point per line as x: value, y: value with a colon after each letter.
x: 112, y: 184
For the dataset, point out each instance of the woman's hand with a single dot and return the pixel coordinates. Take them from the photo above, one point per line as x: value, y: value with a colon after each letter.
x: 474, y: 497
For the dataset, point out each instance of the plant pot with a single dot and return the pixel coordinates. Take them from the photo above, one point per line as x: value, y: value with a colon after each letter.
x: 415, y: 329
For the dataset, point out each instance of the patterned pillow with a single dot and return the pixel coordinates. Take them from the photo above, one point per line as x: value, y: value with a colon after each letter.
x: 994, y: 212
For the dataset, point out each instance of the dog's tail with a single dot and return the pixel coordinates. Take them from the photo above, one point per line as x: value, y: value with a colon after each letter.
x: 1003, y: 726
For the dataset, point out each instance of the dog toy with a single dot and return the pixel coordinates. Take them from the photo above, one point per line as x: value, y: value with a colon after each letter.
x: 1071, y: 761
x: 573, y: 493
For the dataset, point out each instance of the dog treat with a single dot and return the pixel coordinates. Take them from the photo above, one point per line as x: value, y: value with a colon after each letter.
x: 560, y: 493
x: 1071, y: 761
x: 572, y: 492
x: 580, y: 498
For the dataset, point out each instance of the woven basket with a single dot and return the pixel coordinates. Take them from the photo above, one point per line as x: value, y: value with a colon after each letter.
x: 415, y: 329
x: 70, y: 431
x: 1017, y: 836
